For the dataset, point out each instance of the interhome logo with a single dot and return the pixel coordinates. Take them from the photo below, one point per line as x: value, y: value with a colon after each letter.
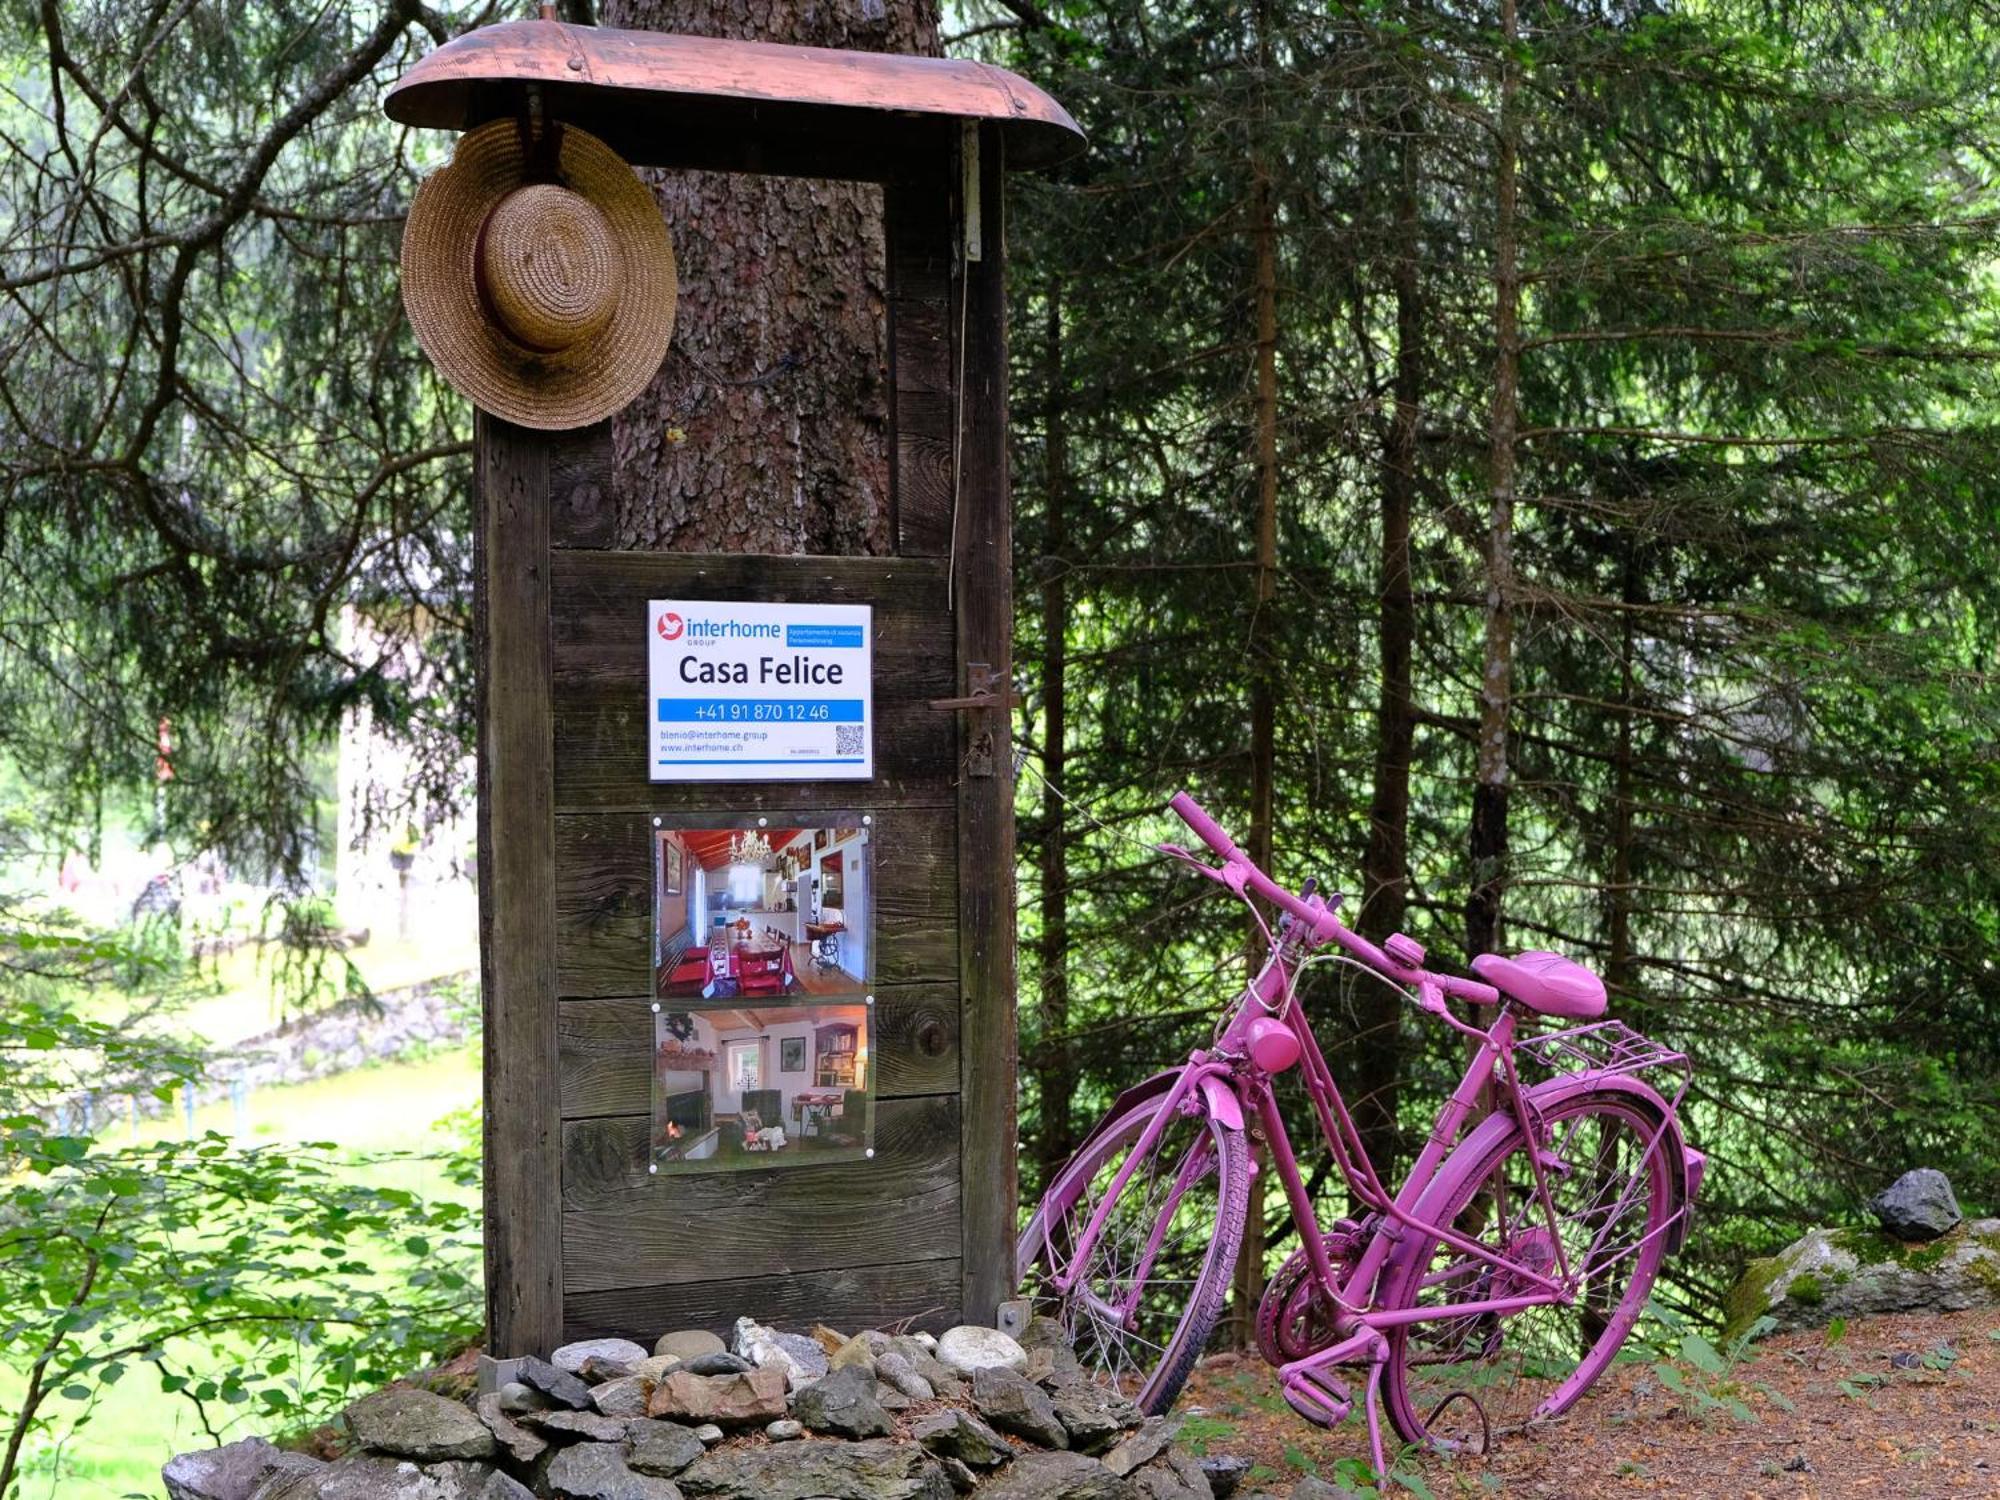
x: 673, y: 627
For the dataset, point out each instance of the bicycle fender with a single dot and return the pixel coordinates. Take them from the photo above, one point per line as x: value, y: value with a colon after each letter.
x: 1222, y: 1100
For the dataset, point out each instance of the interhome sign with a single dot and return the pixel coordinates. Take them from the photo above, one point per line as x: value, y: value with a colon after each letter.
x: 760, y: 692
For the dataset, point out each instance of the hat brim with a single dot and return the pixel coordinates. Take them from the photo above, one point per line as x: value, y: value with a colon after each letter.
x: 578, y: 385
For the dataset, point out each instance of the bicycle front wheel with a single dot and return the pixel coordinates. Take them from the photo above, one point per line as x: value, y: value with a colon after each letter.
x: 1141, y: 1305
x: 1463, y: 1381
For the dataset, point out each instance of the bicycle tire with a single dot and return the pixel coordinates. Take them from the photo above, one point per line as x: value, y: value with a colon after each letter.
x: 1098, y: 1157
x: 1472, y: 1167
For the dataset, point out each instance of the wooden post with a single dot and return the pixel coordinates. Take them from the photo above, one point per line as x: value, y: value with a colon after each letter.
x: 984, y: 600
x: 521, y: 1132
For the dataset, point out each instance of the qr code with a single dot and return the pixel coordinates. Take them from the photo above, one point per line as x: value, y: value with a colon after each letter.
x: 847, y: 739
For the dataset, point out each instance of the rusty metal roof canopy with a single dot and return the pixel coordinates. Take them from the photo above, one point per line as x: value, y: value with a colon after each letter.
x: 661, y: 99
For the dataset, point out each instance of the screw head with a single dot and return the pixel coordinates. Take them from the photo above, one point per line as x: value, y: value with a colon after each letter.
x: 652, y: 1169
x: 867, y: 821
x: 657, y: 822
x: 656, y: 1007
x: 870, y: 1152
x: 762, y: 821
x: 871, y: 999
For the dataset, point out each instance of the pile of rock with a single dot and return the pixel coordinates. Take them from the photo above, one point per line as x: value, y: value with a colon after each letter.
x: 769, y: 1416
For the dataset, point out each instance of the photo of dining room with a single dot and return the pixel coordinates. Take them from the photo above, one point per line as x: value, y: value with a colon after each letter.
x: 756, y: 913
x: 744, y: 1085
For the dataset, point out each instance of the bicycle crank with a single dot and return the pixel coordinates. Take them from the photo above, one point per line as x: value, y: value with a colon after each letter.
x: 1293, y: 1320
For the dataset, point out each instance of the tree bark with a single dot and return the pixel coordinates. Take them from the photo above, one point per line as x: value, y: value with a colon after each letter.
x: 1055, y: 1067
x: 767, y: 429
x: 1488, y: 840
x: 1263, y: 666
x: 1385, y: 863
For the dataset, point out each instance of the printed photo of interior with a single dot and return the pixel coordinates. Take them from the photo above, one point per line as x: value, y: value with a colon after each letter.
x: 747, y: 1085
x: 753, y: 913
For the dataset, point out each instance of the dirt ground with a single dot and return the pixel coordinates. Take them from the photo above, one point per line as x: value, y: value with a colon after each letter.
x: 1892, y: 1406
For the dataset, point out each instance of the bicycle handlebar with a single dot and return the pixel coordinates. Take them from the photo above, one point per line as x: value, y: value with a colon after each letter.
x: 1318, y: 915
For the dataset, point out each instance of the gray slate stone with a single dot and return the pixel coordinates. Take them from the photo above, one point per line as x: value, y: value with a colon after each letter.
x: 664, y: 1448
x: 598, y: 1471
x: 1225, y: 1472
x: 561, y: 1387
x: 577, y: 1426
x: 1057, y: 1476
x: 1312, y: 1487
x: 1846, y: 1273
x: 709, y: 1433
x: 1011, y: 1404
x: 801, y: 1358
x: 1094, y: 1416
x: 718, y: 1362
x: 844, y: 1404
x: 875, y: 1470
x: 962, y: 1479
x: 230, y: 1472
x: 1917, y: 1206
x: 895, y: 1370
x: 1142, y: 1446
x: 689, y: 1343
x: 378, y: 1477
x: 1175, y: 1475
x: 623, y: 1352
x: 419, y: 1425
x: 960, y: 1435
x: 516, y: 1441
x: 621, y: 1398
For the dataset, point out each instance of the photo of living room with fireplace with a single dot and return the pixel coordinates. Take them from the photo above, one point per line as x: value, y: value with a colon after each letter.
x: 744, y: 1084
x: 750, y: 913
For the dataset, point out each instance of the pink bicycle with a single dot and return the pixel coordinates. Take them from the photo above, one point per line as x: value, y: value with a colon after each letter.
x: 1485, y: 1295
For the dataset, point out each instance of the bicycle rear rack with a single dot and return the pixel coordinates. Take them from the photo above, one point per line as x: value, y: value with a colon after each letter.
x: 1606, y: 1047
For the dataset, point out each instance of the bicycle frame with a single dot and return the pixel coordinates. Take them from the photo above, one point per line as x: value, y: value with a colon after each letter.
x: 1232, y: 1086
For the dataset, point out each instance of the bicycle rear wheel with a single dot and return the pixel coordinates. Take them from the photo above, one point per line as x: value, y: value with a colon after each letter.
x: 1141, y: 1308
x: 1461, y: 1382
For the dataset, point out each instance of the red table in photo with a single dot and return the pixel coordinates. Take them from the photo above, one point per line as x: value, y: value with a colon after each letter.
x: 811, y: 1104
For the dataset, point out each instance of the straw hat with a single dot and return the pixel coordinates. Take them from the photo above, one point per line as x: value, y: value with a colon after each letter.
x: 539, y: 279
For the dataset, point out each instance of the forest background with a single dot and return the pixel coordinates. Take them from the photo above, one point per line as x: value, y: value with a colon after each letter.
x: 1528, y: 466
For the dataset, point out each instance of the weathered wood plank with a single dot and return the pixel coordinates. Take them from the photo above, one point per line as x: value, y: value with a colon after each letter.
x: 622, y: 1227
x: 521, y: 1133
x: 918, y: 230
x: 606, y: 1050
x: 583, y: 510
x: 923, y: 1294
x: 604, y: 876
x: 601, y: 683
x: 984, y: 598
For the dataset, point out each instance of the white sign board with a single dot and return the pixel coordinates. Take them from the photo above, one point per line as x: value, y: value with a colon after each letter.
x: 760, y: 692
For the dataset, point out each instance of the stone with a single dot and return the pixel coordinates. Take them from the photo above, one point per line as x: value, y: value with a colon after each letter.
x: 828, y: 1339
x: 517, y: 1398
x: 621, y: 1352
x: 230, y: 1472
x: 785, y: 1430
x: 1225, y: 1472
x: 1044, y: 1333
x: 948, y: 1384
x: 379, y: 1477
x: 929, y: 1341
x: 959, y: 1435
x: 1013, y: 1405
x: 962, y: 1479
x: 721, y: 1362
x: 740, y: 1400
x: 574, y: 1426
x: 709, y: 1433
x: 1312, y: 1487
x: 1094, y: 1416
x: 802, y: 1360
x: 1847, y: 1273
x: 874, y: 1470
x: 657, y: 1368
x: 596, y: 1370
x: 516, y: 1441
x: 1917, y: 1206
x: 1175, y: 1475
x: 1057, y: 1476
x: 856, y: 1351
x: 895, y: 1370
x: 559, y: 1386
x: 598, y: 1471
x: 422, y: 1426
x: 689, y: 1343
x: 890, y: 1399
x: 621, y: 1398
x: 968, y: 1348
x: 844, y: 1404
x: 1142, y: 1446
x: 664, y: 1448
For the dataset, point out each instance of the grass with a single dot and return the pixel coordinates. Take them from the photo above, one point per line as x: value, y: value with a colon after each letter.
x: 135, y: 1427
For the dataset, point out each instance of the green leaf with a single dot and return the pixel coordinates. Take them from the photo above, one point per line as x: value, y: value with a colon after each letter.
x: 1700, y: 1353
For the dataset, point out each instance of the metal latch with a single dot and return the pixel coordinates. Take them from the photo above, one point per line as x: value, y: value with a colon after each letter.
x: 986, y: 688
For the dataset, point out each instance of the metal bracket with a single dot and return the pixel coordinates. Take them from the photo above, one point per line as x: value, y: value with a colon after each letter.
x: 986, y: 688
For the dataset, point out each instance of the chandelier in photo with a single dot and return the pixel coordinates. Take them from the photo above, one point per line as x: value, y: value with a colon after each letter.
x: 749, y: 847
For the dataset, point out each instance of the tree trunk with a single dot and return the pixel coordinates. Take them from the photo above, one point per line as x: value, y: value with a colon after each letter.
x: 1263, y: 666
x: 1620, y: 969
x: 767, y: 429
x: 1056, y: 1077
x: 1488, y: 842
x: 1385, y: 863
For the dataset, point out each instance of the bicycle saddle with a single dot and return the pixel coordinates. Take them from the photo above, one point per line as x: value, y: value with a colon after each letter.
x: 1545, y: 982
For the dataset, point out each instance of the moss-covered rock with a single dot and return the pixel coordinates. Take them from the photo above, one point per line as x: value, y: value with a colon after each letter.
x: 1839, y: 1273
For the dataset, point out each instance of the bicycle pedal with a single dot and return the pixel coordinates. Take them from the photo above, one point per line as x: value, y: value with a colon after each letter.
x: 1317, y: 1397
